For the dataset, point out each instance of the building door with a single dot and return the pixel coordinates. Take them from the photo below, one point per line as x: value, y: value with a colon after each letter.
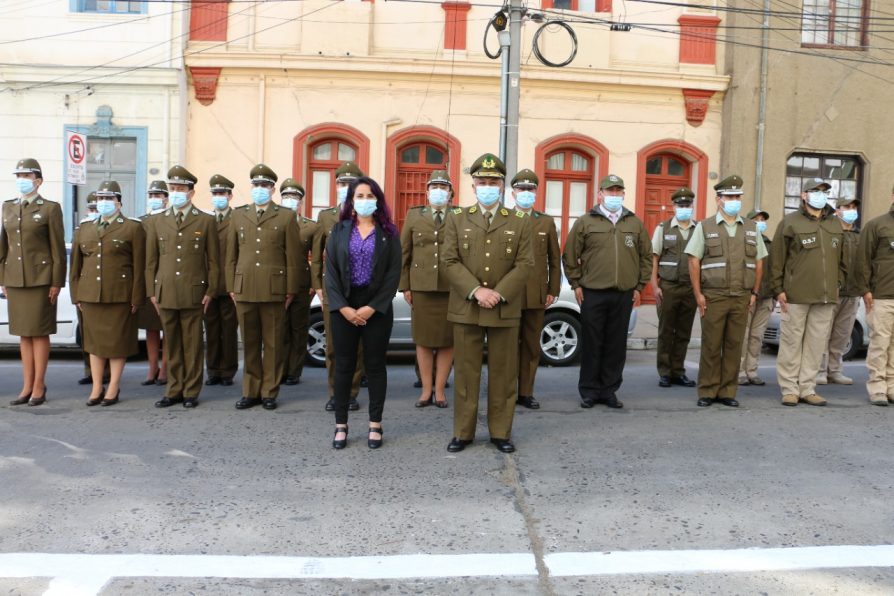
x: 665, y: 174
x: 568, y: 188
x: 415, y: 164
x: 325, y: 157
x: 112, y: 159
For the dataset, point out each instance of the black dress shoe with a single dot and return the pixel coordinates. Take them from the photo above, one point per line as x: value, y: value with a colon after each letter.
x: 728, y: 401
x: 587, y: 403
x: 424, y: 403
x: 418, y: 384
x: 39, y: 401
x: 20, y: 401
x: 290, y: 380
x: 111, y: 402
x: 664, y: 381
x: 247, y: 402
x: 364, y: 382
x: 683, y: 381
x: 614, y: 402
x: 457, y: 445
x: 87, y: 380
x: 353, y: 405
x: 226, y: 381
x: 330, y: 405
x: 344, y: 442
x: 528, y: 401
x: 268, y: 403
x: 213, y: 381
x: 167, y: 402
x: 191, y: 402
x: 97, y: 401
x: 504, y: 445
x: 704, y: 402
x: 374, y: 443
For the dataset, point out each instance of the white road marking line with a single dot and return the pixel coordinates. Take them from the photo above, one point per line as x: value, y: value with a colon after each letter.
x: 79, y: 574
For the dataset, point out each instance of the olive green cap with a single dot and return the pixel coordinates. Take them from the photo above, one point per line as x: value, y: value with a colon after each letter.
x: 754, y: 213
x: 815, y: 183
x: 731, y: 185
x: 440, y: 177
x: 219, y: 183
x: 611, y: 180
x: 28, y: 165
x: 525, y: 178
x: 683, y: 195
x: 158, y: 186
x: 844, y: 202
x: 108, y: 188
x: 488, y: 166
x: 263, y: 173
x: 290, y: 185
x: 348, y: 171
x: 180, y: 175
x: 91, y: 200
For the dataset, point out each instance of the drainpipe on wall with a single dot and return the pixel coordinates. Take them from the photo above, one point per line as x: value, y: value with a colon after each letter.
x: 762, y: 108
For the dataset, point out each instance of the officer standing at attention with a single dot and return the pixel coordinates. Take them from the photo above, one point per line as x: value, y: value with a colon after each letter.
x: 91, y: 215
x: 221, y: 324
x: 488, y: 257
x: 874, y: 279
x: 543, y: 284
x: 344, y: 175
x: 295, y: 329
x: 808, y: 267
x: 147, y: 314
x: 32, y: 272
x: 726, y: 256
x: 759, y: 316
x: 182, y: 276
x: 265, y: 271
x: 608, y: 261
x: 673, y: 291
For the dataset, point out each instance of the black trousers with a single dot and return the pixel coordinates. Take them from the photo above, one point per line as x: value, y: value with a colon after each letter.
x: 604, y: 317
x: 346, y: 337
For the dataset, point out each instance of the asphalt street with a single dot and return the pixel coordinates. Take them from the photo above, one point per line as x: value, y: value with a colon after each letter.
x: 659, y: 475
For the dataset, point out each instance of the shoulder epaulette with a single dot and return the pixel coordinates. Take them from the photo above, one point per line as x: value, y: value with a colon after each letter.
x: 10, y: 200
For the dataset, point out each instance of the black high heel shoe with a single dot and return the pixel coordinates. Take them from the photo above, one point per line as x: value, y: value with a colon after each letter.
x: 344, y: 442
x: 96, y: 402
x: 375, y: 443
x: 20, y: 401
x: 111, y: 402
x: 38, y: 401
x: 151, y: 381
x: 424, y: 403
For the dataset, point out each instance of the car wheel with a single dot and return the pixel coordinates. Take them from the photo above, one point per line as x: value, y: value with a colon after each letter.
x: 560, y: 339
x: 316, y: 340
x: 854, y: 345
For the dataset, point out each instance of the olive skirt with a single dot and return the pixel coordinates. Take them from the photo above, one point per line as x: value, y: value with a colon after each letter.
x: 431, y: 329
x: 30, y: 311
x: 110, y: 330
x: 147, y: 317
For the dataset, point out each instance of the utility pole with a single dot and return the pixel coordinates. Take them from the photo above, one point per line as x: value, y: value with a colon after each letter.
x: 762, y: 108
x: 516, y: 10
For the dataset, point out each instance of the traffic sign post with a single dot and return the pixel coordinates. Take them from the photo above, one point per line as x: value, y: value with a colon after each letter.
x: 76, y: 171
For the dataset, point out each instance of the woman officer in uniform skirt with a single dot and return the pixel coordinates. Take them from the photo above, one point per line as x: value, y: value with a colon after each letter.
x: 426, y: 288
x: 108, y: 261
x: 147, y: 314
x: 32, y: 271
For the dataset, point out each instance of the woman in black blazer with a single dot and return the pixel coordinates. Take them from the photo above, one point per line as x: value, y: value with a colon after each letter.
x: 363, y: 260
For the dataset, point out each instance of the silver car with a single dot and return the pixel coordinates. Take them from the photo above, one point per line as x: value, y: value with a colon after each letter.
x: 859, y: 335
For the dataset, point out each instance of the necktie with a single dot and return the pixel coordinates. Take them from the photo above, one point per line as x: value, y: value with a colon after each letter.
x: 219, y: 217
x: 260, y: 214
x: 487, y: 216
x: 179, y: 217
x: 439, y: 217
x: 102, y: 226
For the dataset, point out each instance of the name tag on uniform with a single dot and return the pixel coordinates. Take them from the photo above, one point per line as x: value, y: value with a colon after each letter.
x: 510, y: 232
x: 747, y: 233
x: 541, y: 233
x: 670, y: 237
x: 712, y: 235
x: 808, y: 241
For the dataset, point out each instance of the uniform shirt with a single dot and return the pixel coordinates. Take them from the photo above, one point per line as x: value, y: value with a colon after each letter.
x: 221, y: 215
x: 696, y: 244
x: 658, y: 235
x: 362, y: 251
x: 612, y: 217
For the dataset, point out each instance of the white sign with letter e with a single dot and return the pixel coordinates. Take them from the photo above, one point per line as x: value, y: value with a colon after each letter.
x: 76, y: 148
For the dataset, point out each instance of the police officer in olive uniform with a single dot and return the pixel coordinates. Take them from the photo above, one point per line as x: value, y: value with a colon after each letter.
x: 265, y: 270
x: 221, y: 324
x: 182, y: 276
x: 608, y: 262
x: 147, y: 315
x: 91, y: 215
x: 32, y: 272
x: 673, y: 291
x: 295, y: 321
x: 543, y: 285
x: 726, y: 256
x: 344, y: 175
x: 488, y: 257
x: 759, y: 316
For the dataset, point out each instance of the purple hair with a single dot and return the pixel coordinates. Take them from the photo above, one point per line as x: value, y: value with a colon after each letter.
x: 382, y: 215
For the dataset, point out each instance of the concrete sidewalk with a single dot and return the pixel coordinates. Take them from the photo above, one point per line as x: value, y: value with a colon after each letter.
x: 645, y: 333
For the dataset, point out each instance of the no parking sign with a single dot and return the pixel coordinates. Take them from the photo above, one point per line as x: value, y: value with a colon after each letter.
x: 76, y: 147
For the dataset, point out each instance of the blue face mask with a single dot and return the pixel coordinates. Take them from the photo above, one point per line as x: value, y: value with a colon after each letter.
x: 341, y: 193
x: 732, y: 207
x: 488, y: 195
x: 817, y: 199
x: 92, y: 216
x: 25, y: 186
x: 761, y: 226
x: 289, y: 203
x: 219, y: 202
x: 613, y: 202
x: 106, y: 207
x: 178, y: 199
x: 683, y: 213
x: 260, y: 195
x: 365, y: 207
x: 849, y: 216
x: 438, y: 196
x: 155, y: 204
x: 525, y: 199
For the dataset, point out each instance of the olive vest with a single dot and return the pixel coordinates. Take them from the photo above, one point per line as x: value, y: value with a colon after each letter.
x: 729, y: 263
x: 673, y: 263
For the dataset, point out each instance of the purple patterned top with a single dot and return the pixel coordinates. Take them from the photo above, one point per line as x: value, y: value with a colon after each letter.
x: 361, y: 251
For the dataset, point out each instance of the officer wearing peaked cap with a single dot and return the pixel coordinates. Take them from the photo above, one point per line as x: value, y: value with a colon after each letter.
x: 264, y: 273
x: 147, y: 315
x: 344, y: 175
x: 488, y: 257
x: 90, y: 215
x: 32, y: 271
x: 182, y: 277
x: 673, y: 291
x: 295, y: 321
x: 221, y: 322
x: 542, y: 287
